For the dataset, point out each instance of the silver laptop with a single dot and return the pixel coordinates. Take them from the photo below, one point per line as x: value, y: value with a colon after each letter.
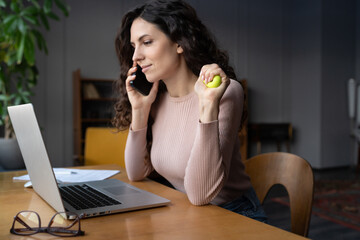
x: 88, y: 198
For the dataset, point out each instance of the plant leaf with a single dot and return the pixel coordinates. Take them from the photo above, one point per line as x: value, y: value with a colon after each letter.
x: 29, y: 11
x: 35, y: 73
x: 2, y: 3
x: 47, y: 6
x: 32, y: 19
x: 41, y: 43
x: 11, y: 58
x: 5, y: 97
x: 17, y: 100
x: 10, y: 23
x: 21, y: 26
x: 29, y: 51
x: 9, y: 18
x: 44, y: 20
x: 35, y: 3
x: 14, y: 6
x: 62, y: 7
x: 39, y: 38
x: 53, y: 16
x: 20, y: 50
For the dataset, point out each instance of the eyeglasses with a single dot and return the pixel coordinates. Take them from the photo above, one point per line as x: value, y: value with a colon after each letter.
x: 28, y: 223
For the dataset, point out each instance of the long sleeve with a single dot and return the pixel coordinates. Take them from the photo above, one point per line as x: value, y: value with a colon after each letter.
x: 137, y: 160
x: 205, y: 172
x: 210, y: 160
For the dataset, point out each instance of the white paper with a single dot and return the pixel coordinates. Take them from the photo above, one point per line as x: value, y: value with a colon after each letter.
x: 77, y: 175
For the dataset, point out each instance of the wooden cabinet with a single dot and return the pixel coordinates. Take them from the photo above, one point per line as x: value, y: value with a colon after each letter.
x: 93, y: 107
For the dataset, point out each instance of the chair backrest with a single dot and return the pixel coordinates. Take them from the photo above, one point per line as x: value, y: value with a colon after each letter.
x: 295, y: 174
x: 243, y: 133
x: 104, y: 146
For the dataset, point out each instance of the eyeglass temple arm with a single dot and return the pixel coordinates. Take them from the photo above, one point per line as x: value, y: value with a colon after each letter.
x: 63, y: 230
x: 23, y: 223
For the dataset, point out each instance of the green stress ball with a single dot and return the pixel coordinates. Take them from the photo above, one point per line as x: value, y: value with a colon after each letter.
x: 214, y: 83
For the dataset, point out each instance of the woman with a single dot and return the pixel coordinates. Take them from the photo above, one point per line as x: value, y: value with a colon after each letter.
x: 184, y: 130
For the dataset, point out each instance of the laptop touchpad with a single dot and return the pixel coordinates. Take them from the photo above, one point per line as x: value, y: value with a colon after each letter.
x: 120, y: 190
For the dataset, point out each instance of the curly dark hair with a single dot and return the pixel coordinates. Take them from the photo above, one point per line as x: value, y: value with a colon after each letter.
x: 179, y: 21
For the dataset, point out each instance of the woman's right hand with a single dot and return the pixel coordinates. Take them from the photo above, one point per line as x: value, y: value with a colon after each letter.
x: 140, y: 104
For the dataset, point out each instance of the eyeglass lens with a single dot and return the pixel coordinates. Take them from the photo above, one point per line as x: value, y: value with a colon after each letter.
x: 61, y: 226
x: 28, y: 222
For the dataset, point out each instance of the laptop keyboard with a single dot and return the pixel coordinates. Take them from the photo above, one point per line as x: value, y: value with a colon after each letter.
x: 85, y: 197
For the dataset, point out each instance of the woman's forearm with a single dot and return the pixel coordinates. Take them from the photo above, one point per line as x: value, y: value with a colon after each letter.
x: 139, y: 118
x: 209, y: 111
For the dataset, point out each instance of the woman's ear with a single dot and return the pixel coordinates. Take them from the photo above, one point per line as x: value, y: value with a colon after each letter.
x: 179, y: 49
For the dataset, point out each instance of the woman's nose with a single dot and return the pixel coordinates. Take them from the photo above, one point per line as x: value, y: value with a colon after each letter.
x: 137, y: 55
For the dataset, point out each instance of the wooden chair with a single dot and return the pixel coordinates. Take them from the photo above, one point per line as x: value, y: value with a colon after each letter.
x: 243, y: 133
x: 104, y: 146
x: 295, y: 174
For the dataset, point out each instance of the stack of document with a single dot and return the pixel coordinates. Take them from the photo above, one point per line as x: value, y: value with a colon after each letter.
x: 76, y: 175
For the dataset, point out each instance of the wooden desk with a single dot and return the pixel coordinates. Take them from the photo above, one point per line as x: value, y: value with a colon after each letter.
x: 179, y: 220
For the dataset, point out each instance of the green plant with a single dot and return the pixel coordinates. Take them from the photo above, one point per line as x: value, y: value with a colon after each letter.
x: 22, y: 23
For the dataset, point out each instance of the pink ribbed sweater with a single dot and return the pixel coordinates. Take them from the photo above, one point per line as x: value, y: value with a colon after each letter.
x: 199, y: 159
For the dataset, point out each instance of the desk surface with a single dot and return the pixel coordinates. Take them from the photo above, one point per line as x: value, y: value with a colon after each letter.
x: 179, y: 220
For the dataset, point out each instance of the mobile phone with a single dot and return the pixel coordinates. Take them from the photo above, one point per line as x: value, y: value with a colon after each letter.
x: 140, y: 83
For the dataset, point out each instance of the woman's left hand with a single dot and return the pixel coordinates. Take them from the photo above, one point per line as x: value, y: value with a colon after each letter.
x: 207, y: 73
x: 209, y: 98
